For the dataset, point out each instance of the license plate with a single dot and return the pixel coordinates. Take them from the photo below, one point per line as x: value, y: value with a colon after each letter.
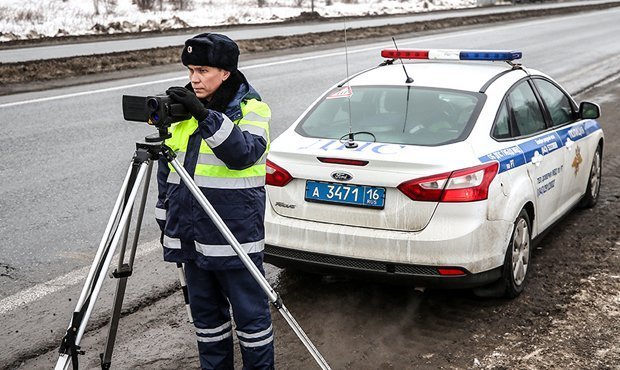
x: 345, y: 194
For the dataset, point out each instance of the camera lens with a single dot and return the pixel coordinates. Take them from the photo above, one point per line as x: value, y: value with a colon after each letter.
x: 153, y: 103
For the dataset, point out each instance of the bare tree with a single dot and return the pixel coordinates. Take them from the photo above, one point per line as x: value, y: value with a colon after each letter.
x: 110, y: 5
x: 96, y: 5
x: 181, y: 4
x: 145, y: 4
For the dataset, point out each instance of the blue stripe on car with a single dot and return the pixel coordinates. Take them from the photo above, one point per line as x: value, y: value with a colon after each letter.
x: 517, y: 155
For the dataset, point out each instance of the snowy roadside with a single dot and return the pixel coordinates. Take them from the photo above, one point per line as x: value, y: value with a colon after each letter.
x: 33, y: 19
x: 15, y: 77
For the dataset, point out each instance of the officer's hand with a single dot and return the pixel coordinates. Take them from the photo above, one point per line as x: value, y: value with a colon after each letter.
x: 189, y: 100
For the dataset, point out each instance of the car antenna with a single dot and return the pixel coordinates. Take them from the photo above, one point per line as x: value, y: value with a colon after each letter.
x: 409, y: 79
x: 350, y: 143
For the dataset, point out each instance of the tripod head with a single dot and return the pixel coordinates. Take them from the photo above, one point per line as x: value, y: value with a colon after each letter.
x: 161, y: 135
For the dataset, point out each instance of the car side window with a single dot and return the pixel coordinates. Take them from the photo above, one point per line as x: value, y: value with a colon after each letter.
x: 525, y: 110
x: 501, y: 130
x: 558, y: 104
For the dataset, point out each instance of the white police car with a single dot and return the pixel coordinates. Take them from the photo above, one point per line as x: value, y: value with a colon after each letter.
x: 443, y: 170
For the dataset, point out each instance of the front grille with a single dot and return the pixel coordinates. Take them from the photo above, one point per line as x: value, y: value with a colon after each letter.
x: 349, y: 263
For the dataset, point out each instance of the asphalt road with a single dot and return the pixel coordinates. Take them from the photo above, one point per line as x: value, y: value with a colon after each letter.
x: 66, y: 151
x: 22, y: 54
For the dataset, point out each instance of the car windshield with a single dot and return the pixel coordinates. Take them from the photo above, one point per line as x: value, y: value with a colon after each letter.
x: 394, y: 114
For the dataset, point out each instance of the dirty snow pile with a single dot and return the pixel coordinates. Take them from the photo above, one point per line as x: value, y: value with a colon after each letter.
x: 29, y: 19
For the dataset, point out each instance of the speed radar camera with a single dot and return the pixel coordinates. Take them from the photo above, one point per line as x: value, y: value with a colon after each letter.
x: 158, y: 110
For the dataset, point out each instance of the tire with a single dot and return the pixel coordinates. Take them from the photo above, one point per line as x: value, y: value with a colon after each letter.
x: 516, y: 262
x: 590, y: 198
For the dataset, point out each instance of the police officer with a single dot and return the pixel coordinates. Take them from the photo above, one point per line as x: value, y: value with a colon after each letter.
x: 223, y: 147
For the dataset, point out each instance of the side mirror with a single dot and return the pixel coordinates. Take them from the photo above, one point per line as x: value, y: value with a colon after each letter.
x: 589, y: 110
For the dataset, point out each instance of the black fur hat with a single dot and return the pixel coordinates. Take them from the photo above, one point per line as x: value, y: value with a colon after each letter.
x: 211, y: 49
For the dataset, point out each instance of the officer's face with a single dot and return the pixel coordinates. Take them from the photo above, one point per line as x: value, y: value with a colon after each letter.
x: 206, y: 80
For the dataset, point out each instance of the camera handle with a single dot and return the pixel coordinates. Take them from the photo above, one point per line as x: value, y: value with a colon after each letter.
x: 116, y: 232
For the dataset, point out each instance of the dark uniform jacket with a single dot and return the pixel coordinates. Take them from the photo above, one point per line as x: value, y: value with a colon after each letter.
x: 225, y: 154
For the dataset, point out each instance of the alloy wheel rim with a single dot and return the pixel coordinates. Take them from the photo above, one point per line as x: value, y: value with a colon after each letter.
x: 520, y: 251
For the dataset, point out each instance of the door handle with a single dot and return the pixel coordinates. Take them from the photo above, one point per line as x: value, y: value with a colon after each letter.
x: 537, y: 158
x: 569, y: 144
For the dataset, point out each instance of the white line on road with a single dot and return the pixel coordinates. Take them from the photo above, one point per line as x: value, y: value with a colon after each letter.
x: 39, y: 291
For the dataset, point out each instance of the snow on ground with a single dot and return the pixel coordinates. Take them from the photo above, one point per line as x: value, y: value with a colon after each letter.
x: 22, y: 19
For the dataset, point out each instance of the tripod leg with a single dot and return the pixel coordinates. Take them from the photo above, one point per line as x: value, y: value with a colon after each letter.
x: 124, y: 271
x: 247, y: 262
x: 69, y: 347
x: 96, y: 276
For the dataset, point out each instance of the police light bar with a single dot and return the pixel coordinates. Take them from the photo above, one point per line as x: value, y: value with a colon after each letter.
x: 452, y: 54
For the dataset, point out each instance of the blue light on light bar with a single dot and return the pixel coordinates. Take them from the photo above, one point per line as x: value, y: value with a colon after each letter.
x: 490, y: 55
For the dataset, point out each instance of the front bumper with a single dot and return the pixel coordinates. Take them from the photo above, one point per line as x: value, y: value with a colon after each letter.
x: 458, y: 236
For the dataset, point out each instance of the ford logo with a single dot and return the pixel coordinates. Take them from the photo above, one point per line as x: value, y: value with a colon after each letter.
x: 341, y: 176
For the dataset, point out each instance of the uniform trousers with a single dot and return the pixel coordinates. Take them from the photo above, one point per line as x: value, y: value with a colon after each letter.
x: 211, y: 294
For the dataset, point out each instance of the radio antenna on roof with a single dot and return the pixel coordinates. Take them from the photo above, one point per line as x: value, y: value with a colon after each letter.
x: 409, y: 79
x: 350, y: 143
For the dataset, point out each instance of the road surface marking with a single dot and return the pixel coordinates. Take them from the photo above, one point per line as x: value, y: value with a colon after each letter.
x: 74, y: 277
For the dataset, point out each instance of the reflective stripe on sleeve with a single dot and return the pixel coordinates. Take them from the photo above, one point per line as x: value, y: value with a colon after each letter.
x: 172, y: 243
x: 160, y: 214
x: 222, y: 134
x: 229, y: 183
x: 254, y: 130
x: 214, y: 250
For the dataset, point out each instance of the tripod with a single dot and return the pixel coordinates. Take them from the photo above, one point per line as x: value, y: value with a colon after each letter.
x: 117, y: 231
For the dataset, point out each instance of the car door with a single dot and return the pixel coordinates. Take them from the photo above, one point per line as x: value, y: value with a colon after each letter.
x: 544, y: 159
x: 562, y: 113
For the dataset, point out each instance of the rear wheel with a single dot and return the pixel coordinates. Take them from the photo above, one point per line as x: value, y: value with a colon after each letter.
x: 594, y: 181
x: 516, y: 262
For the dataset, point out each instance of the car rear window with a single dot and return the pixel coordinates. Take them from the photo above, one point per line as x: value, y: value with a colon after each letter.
x: 397, y: 115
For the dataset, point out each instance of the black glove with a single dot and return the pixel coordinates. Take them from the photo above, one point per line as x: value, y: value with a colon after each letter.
x: 189, y: 100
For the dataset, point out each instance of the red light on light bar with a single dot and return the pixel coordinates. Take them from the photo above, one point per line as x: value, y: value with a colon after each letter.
x: 404, y: 54
x: 350, y: 162
x: 450, y: 271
